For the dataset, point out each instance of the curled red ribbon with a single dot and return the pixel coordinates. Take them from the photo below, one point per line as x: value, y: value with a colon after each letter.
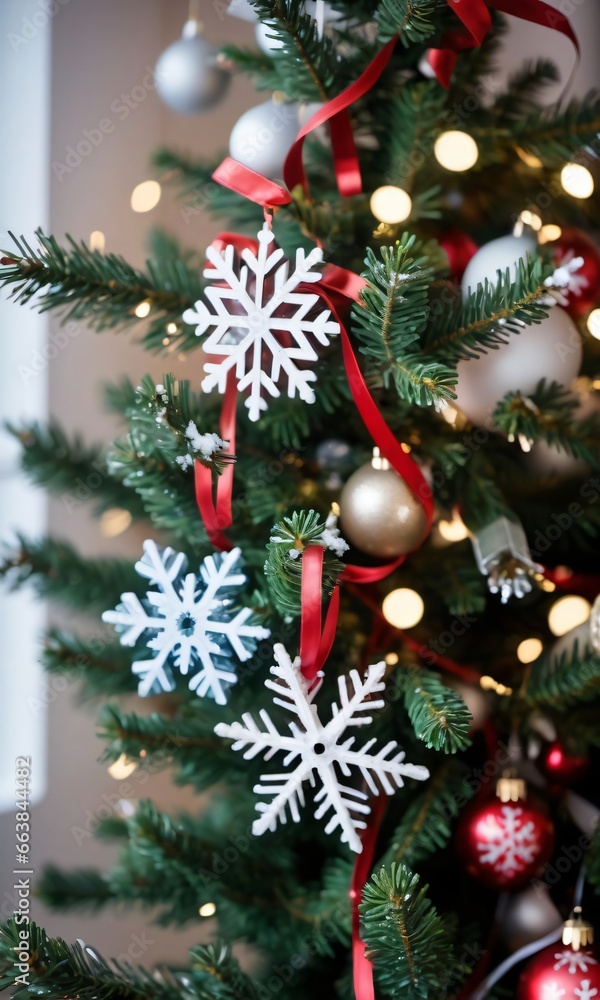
x: 218, y: 515
x: 476, y: 19
x: 315, y: 641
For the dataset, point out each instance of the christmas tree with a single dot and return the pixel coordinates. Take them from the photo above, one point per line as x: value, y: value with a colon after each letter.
x: 370, y: 528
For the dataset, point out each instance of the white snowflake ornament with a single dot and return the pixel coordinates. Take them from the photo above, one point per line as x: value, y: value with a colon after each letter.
x: 510, y: 842
x: 314, y: 752
x: 261, y: 325
x: 195, y: 623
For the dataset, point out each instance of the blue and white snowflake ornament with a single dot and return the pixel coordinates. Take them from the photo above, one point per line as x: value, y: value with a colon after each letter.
x: 195, y: 623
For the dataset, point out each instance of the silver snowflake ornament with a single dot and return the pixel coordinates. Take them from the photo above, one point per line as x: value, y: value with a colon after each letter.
x: 326, y: 754
x: 262, y: 327
x: 194, y: 622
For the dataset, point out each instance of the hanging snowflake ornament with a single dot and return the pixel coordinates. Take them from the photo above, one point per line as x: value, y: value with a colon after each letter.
x: 318, y: 753
x: 194, y: 622
x: 263, y: 328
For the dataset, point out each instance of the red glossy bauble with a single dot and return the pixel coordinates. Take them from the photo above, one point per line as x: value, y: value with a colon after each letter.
x: 584, y: 288
x: 561, y: 766
x: 459, y: 249
x: 504, y: 844
x: 559, y: 973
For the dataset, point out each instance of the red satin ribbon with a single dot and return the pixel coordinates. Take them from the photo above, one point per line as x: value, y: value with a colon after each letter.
x: 362, y: 968
x: 476, y: 18
x: 346, y: 160
x: 218, y: 516
x: 235, y: 176
x: 315, y: 641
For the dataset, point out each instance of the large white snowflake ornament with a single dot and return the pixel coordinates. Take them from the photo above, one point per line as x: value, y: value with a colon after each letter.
x: 262, y: 326
x: 511, y: 843
x: 314, y: 752
x: 195, y: 623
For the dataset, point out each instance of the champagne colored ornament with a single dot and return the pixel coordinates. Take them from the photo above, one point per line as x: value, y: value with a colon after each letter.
x: 567, y: 970
x: 380, y: 514
x: 504, y: 841
x: 188, y: 76
x: 528, y: 916
x: 550, y: 350
x: 262, y: 137
x: 498, y: 255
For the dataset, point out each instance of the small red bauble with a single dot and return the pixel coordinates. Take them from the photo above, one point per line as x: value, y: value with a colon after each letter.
x: 504, y: 844
x: 559, y: 973
x: 459, y: 248
x: 583, y: 292
x: 561, y: 766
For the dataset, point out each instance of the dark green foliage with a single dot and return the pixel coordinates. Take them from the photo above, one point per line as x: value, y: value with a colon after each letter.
x: 573, y: 677
x: 550, y: 414
x: 412, y: 21
x: 410, y: 945
x: 284, y: 571
x: 438, y: 714
x: 100, y: 663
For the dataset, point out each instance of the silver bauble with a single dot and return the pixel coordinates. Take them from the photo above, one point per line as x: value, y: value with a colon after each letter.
x: 528, y: 916
x: 380, y: 514
x: 496, y: 255
x: 550, y: 350
x: 261, y: 138
x: 188, y: 76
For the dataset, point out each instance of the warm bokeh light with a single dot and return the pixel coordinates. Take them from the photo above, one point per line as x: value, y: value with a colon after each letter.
x: 403, y: 608
x: 171, y: 327
x: 390, y: 204
x: 114, y: 521
x: 531, y: 219
x: 456, y: 150
x: 567, y: 613
x: 145, y: 196
x: 207, y: 910
x: 577, y: 180
x: 142, y: 309
x: 593, y: 323
x: 391, y: 659
x: 97, y: 240
x: 529, y: 650
x: 549, y: 233
x: 122, y: 767
x: 454, y: 530
x: 529, y: 158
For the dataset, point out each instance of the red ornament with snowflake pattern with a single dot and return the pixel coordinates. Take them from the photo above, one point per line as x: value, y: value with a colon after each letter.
x: 583, y: 292
x: 560, y: 973
x: 504, y: 844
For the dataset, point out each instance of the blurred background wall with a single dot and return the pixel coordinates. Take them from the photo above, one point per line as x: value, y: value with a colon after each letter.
x: 65, y: 78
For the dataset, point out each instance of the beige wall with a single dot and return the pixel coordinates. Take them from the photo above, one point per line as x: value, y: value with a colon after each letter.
x: 99, y: 51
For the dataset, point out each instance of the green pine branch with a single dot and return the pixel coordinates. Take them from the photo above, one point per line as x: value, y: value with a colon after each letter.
x: 555, y: 136
x: 57, y: 571
x: 200, y: 194
x: 412, y: 20
x: 103, y: 290
x: 549, y: 414
x: 101, y: 665
x: 426, y: 826
x: 391, y: 317
x: 283, y: 567
x: 57, y: 970
x: 438, y: 714
x: 410, y: 944
x: 573, y: 677
x: 488, y: 316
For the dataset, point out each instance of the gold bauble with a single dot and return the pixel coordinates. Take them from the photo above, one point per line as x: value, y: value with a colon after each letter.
x: 380, y: 514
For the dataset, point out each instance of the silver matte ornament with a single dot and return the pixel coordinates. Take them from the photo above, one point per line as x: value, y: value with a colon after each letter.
x: 262, y: 137
x: 380, y: 514
x: 188, y: 76
x: 503, y: 555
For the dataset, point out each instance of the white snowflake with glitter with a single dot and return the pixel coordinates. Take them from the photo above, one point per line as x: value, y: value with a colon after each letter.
x: 575, y: 961
x: 195, y: 623
x: 511, y: 844
x: 262, y: 326
x: 318, y: 753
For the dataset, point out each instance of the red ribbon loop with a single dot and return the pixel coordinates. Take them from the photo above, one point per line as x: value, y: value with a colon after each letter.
x: 315, y: 641
x: 247, y: 182
x: 217, y: 517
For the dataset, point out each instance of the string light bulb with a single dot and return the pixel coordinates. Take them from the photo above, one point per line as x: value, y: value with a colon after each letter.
x: 403, y: 608
x: 567, y: 613
x: 391, y: 204
x: 97, y: 240
x: 456, y: 150
x: 207, y: 910
x: 143, y: 309
x: 114, y: 521
x: 454, y: 530
x: 122, y: 767
x: 576, y: 180
x: 593, y: 323
x: 529, y: 650
x: 549, y: 233
x: 145, y: 196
